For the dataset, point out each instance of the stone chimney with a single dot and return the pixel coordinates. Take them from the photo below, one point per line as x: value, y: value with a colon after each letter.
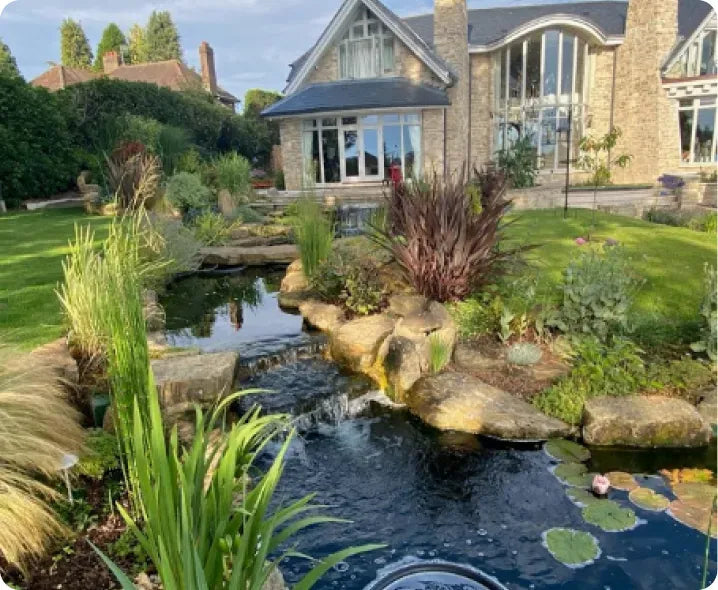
x: 110, y: 61
x: 451, y: 42
x: 206, y: 60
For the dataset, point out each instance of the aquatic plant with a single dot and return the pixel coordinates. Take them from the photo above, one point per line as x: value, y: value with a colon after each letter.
x: 212, y: 229
x: 648, y: 499
x: 622, y: 481
x: 600, y: 485
x: 571, y: 547
x: 609, y: 516
x: 439, y: 353
x: 37, y: 428
x: 709, y: 312
x: 562, y: 449
x: 445, y: 247
x: 581, y: 497
x: 524, y: 354
x: 313, y: 232
x: 573, y: 474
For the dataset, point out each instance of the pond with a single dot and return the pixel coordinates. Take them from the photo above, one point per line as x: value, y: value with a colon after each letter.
x: 428, y: 495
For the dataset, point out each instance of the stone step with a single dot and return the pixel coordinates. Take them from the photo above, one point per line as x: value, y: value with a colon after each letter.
x: 249, y: 256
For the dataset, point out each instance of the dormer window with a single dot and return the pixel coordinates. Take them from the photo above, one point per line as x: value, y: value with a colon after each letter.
x: 367, y: 49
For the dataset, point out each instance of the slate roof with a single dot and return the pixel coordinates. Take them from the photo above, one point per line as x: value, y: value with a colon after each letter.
x: 358, y: 95
x: 171, y: 74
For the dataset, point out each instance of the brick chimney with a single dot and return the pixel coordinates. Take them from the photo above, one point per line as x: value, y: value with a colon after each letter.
x: 206, y: 60
x: 451, y: 42
x: 110, y: 61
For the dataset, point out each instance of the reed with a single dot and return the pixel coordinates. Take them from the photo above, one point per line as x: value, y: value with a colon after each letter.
x: 314, y: 234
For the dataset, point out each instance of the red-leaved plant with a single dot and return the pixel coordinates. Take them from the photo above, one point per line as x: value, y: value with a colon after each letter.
x: 444, y: 235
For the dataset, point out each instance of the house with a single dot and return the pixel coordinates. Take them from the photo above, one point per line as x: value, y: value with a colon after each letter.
x: 437, y: 91
x: 171, y: 74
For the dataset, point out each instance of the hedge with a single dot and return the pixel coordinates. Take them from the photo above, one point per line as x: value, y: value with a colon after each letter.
x: 37, y: 156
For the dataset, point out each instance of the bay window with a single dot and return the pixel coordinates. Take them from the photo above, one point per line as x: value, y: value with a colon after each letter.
x: 367, y: 49
x: 697, y: 123
x: 538, y: 80
x: 361, y: 147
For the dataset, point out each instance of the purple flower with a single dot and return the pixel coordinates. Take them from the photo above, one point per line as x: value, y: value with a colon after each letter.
x: 580, y: 241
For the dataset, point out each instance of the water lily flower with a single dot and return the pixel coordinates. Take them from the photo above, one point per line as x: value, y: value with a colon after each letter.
x: 580, y: 241
x: 600, y: 485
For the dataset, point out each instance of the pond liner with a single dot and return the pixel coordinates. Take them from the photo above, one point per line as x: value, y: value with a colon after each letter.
x: 401, y: 572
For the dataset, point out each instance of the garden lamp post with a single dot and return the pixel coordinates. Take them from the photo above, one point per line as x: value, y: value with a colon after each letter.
x: 3, y: 209
x: 68, y: 462
x: 568, y: 160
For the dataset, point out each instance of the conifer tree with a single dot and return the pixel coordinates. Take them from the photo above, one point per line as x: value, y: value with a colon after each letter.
x: 8, y: 65
x: 161, y: 37
x: 75, y: 49
x: 136, y: 40
x: 112, y: 40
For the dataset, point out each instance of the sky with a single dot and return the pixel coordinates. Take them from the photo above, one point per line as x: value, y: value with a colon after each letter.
x: 254, y: 41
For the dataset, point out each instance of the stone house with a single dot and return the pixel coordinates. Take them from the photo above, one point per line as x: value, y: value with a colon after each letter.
x: 434, y: 92
x: 173, y: 74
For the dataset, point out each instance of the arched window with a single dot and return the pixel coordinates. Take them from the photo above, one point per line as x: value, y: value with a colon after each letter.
x: 539, y: 87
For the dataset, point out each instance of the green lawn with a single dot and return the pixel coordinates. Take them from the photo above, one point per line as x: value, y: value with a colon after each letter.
x: 32, y: 247
x: 670, y: 259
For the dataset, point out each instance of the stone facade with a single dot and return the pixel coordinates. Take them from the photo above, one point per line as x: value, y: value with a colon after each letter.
x: 482, y: 100
x: 327, y: 68
x: 290, y: 134
x: 600, y: 90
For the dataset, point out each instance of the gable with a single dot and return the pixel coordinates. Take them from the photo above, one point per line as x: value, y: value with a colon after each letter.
x: 302, y: 69
x: 695, y: 53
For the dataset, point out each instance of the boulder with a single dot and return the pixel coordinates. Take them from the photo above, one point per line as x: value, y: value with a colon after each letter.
x: 458, y: 402
x: 404, y: 304
x: 294, y: 289
x: 471, y: 360
x: 252, y: 256
x: 357, y: 342
x: 403, y: 361
x: 322, y: 316
x: 195, y: 379
x: 708, y: 407
x: 637, y: 421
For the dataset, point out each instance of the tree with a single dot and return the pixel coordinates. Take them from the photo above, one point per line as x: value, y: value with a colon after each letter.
x: 75, y: 49
x: 161, y: 38
x: 597, y: 159
x: 137, y: 40
x: 112, y: 40
x: 8, y: 65
x: 256, y: 100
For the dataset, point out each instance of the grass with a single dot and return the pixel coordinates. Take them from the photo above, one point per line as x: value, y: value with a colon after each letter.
x: 33, y: 246
x: 670, y: 259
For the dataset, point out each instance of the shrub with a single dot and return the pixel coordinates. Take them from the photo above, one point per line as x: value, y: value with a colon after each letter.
x: 709, y: 312
x: 190, y: 161
x: 132, y: 178
x: 600, y: 369
x: 212, y: 229
x: 443, y: 246
x: 686, y: 378
x: 519, y: 163
x: 101, y: 454
x: 523, y: 354
x: 703, y: 222
x: 245, y: 214
x: 38, y: 157
x: 173, y: 142
x: 37, y: 429
x: 232, y: 173
x: 362, y: 291
x: 695, y: 220
x: 313, y: 232
x: 439, y: 353
x: 598, y: 291
x: 185, y: 192
x: 138, y: 129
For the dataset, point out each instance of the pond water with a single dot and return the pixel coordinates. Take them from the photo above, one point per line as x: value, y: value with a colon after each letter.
x: 428, y: 495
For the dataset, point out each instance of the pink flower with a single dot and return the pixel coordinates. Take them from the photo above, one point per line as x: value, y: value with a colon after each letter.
x: 600, y: 485
x: 580, y: 241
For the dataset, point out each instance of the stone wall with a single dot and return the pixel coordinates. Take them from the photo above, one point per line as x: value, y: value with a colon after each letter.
x: 482, y: 100
x: 643, y: 110
x: 452, y: 44
x: 290, y: 133
x: 409, y: 66
x: 326, y: 68
x: 600, y: 90
x: 432, y: 122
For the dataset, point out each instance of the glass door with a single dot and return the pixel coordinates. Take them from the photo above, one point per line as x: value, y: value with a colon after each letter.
x: 371, y: 156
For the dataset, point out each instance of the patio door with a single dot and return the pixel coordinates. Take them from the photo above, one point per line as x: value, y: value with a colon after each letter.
x: 371, y: 151
x: 361, y: 146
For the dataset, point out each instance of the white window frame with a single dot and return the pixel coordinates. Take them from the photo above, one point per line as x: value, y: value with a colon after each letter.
x: 377, y: 45
x: 403, y: 114
x: 694, y: 108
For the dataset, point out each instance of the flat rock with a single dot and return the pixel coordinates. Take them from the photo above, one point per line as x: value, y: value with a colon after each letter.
x: 322, y: 316
x: 403, y: 304
x: 643, y: 421
x: 196, y: 379
x: 471, y: 360
x: 251, y: 256
x: 357, y: 342
x: 708, y: 407
x: 459, y: 402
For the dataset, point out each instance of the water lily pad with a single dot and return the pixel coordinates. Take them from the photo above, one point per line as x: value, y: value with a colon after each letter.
x: 581, y: 498
x: 621, y: 480
x: 573, y: 474
x: 675, y: 476
x: 609, y: 516
x: 572, y: 548
x: 648, y: 499
x: 567, y: 450
x: 694, y: 516
x: 699, y: 494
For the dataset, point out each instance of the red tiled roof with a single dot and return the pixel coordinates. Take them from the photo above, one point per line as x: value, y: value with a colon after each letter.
x: 59, y: 77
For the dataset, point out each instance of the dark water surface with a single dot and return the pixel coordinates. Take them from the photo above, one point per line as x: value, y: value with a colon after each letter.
x: 427, y: 495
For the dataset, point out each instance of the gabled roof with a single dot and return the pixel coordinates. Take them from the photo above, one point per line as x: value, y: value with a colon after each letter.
x: 347, y: 95
x: 302, y: 66
x: 489, y: 26
x: 171, y: 74
x: 59, y: 77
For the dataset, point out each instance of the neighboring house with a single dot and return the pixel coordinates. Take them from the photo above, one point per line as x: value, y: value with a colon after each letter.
x: 437, y: 91
x: 171, y: 74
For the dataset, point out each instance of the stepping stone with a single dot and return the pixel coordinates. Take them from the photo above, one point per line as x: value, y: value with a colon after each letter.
x: 643, y: 421
x: 455, y: 401
x: 251, y: 256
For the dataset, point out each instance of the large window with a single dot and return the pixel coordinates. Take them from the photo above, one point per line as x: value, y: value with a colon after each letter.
x: 361, y: 147
x: 697, y: 121
x: 538, y: 84
x: 699, y: 58
x: 367, y: 48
